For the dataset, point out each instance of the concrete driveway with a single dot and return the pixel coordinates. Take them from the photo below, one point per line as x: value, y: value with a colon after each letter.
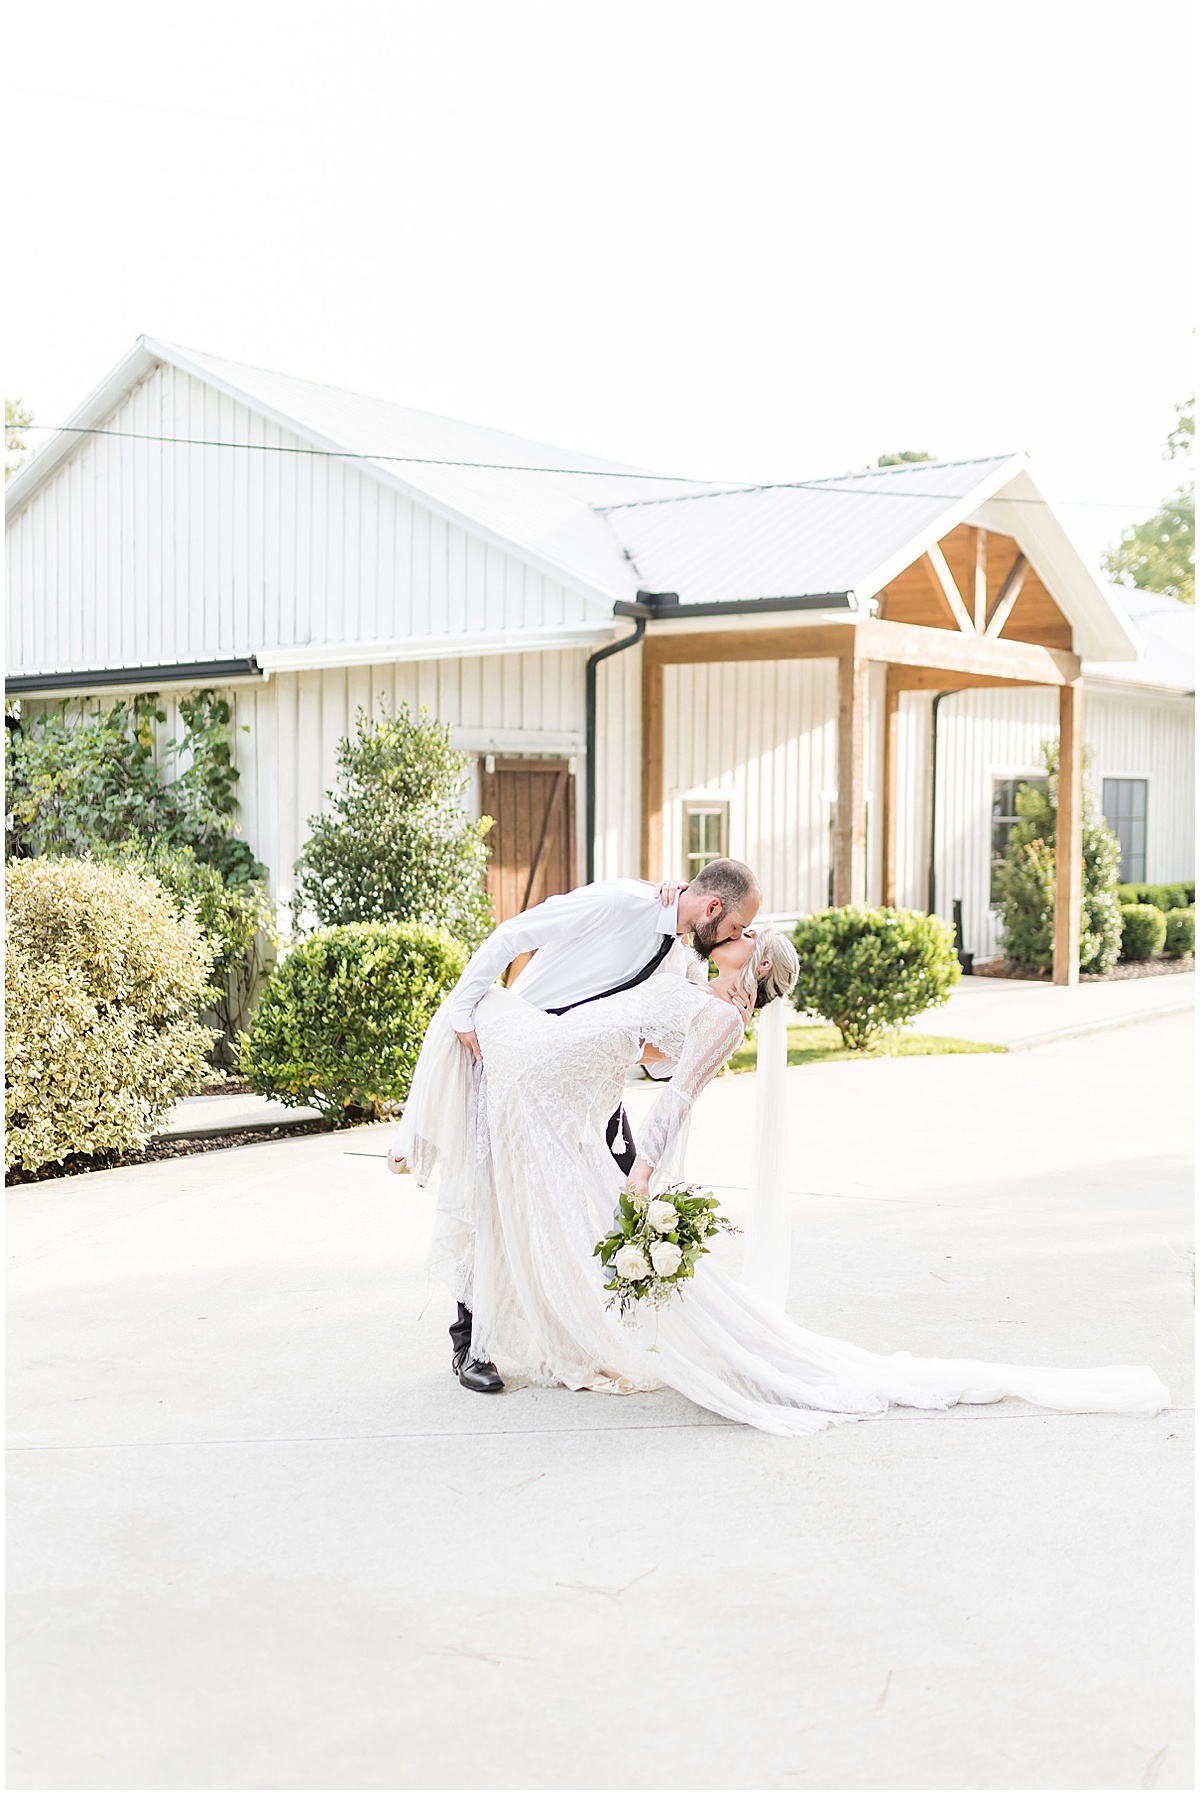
x: 260, y: 1538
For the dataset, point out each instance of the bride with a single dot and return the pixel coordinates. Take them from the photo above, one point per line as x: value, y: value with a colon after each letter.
x: 526, y: 1185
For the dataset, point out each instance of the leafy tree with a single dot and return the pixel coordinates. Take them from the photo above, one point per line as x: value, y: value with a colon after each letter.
x: 1026, y: 880
x: 903, y: 455
x: 1159, y: 555
x: 78, y: 786
x: 17, y: 420
x: 395, y: 844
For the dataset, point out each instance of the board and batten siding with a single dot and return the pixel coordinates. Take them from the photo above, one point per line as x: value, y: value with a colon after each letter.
x: 997, y: 733
x: 761, y: 735
x: 139, y: 553
x: 618, y: 767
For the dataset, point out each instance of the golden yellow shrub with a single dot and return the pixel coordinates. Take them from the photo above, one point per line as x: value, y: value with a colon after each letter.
x: 103, y: 987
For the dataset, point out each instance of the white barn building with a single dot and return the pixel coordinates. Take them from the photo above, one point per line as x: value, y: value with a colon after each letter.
x: 838, y: 681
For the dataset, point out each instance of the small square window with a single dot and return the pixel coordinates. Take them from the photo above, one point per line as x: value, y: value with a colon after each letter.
x: 705, y: 834
x: 1124, y: 804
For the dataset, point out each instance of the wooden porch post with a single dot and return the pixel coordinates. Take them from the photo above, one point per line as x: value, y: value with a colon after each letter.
x: 652, y: 768
x: 850, y: 826
x: 1068, y: 876
x: 891, y: 755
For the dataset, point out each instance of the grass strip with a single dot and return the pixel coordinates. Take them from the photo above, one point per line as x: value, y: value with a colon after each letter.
x: 811, y: 1044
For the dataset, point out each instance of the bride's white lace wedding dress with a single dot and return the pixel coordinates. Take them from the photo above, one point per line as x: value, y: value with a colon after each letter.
x: 526, y: 1186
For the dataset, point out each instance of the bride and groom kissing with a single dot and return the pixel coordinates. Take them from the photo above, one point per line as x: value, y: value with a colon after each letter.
x: 515, y: 1119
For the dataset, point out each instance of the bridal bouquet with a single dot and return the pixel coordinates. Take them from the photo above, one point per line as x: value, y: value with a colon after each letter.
x: 655, y: 1242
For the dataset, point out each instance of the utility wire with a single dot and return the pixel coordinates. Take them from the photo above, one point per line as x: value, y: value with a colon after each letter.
x: 713, y: 488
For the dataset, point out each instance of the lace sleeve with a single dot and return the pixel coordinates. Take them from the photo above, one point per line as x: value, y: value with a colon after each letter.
x: 711, y: 1037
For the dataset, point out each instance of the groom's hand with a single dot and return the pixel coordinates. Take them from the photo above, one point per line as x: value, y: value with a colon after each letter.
x: 470, y: 1040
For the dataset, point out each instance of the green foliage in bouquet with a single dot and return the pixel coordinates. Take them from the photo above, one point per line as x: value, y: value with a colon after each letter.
x: 868, y: 971
x: 1144, y: 931
x: 1181, y: 933
x: 654, y: 1244
x: 341, y: 1020
x: 1025, y: 881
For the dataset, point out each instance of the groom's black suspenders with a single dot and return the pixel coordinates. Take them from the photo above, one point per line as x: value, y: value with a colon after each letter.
x: 660, y: 953
x: 618, y: 1124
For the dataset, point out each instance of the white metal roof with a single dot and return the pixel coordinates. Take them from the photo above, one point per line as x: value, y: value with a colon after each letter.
x: 609, y: 529
x: 1168, y: 632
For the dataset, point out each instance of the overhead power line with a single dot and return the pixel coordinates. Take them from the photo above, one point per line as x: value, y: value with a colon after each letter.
x: 713, y: 488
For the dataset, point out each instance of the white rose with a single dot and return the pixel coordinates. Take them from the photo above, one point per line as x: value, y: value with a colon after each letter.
x: 666, y: 1258
x: 630, y: 1262
x: 662, y: 1216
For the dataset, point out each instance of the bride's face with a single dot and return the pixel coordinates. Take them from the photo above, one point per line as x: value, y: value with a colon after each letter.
x: 730, y: 959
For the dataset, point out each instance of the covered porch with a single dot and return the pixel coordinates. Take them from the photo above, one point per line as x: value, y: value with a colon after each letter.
x: 867, y: 650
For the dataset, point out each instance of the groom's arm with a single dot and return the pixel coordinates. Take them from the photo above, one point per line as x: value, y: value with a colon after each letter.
x: 553, y: 920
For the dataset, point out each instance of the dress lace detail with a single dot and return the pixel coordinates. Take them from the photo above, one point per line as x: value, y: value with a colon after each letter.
x: 526, y: 1186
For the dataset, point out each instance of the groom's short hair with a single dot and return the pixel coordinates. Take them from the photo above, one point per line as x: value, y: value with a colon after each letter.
x: 731, y: 881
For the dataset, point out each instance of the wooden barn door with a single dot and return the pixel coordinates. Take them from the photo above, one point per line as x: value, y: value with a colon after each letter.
x: 532, y: 839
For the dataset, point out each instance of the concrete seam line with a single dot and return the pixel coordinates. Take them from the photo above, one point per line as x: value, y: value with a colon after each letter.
x: 1025, y: 1042
x: 550, y: 1433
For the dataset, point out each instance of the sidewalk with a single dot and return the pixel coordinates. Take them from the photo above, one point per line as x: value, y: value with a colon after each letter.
x: 260, y: 1538
x: 198, y: 1117
x: 1016, y: 1013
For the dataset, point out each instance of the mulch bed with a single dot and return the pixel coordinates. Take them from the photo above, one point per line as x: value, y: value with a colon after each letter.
x: 1125, y: 969
x: 163, y: 1147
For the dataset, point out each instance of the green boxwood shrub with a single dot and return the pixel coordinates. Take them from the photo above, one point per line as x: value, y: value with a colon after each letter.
x: 341, y: 1020
x: 1144, y: 929
x: 103, y: 988
x: 1163, y: 897
x: 868, y: 971
x: 1181, y: 933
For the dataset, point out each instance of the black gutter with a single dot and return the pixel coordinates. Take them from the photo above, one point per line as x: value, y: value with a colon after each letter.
x: 665, y: 605
x: 174, y: 673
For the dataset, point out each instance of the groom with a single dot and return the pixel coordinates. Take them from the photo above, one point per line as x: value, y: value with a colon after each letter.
x: 587, y: 944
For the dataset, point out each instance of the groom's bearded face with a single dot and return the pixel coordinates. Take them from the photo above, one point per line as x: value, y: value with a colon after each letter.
x: 711, y: 931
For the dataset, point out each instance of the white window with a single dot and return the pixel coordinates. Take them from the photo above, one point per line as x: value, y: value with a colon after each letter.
x: 1004, y: 815
x: 705, y: 833
x: 1124, y: 804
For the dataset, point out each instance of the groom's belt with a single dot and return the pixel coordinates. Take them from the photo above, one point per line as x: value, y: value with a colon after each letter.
x: 660, y: 953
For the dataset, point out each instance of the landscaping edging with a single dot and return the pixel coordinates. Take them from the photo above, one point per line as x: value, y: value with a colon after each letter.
x: 1125, y: 969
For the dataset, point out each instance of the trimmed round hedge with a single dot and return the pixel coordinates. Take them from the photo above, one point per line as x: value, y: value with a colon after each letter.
x: 1181, y: 933
x: 1143, y: 931
x: 341, y: 1019
x: 104, y: 983
x: 869, y: 971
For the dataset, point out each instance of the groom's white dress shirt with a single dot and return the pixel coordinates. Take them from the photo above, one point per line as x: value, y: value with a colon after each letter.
x: 587, y: 941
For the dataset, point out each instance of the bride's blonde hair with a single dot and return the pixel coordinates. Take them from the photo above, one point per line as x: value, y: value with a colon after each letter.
x: 780, y: 981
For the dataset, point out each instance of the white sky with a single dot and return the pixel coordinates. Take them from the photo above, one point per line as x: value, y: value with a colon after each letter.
x: 741, y: 240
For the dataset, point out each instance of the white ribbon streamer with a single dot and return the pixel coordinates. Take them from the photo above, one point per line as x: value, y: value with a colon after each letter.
x: 767, y: 1265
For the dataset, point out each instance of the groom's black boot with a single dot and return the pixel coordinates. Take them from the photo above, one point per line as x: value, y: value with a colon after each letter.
x: 472, y: 1374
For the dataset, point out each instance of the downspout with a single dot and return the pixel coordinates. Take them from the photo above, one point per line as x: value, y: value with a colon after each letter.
x: 639, y: 612
x: 933, y: 773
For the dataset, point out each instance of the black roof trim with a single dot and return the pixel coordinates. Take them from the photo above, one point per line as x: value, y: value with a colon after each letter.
x: 85, y: 679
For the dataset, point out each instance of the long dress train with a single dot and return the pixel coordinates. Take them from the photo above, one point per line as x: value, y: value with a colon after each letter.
x: 526, y: 1186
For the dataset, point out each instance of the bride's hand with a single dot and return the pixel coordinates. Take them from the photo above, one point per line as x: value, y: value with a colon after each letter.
x: 638, y: 1181
x: 668, y: 892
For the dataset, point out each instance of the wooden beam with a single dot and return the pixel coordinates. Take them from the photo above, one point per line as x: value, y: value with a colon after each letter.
x: 915, y: 645
x: 652, y: 769
x: 900, y: 644
x: 935, y: 679
x: 891, y: 765
x: 781, y: 642
x: 1068, y: 867
x: 850, y: 822
x: 944, y: 582
x: 1007, y: 597
x: 979, y: 570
